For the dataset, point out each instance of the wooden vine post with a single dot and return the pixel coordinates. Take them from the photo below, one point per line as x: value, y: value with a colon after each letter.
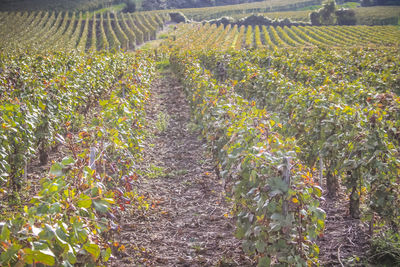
x: 92, y: 158
x: 286, y: 179
x: 321, y: 169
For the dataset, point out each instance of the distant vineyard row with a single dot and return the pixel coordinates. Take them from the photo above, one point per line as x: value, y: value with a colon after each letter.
x: 233, y: 37
x: 31, y: 5
x: 83, y: 31
x: 255, y: 7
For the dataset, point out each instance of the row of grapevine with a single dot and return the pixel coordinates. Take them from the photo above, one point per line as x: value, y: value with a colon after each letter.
x: 111, y: 36
x: 93, y: 114
x: 279, y: 222
x: 81, y: 45
x: 66, y: 30
x: 295, y: 36
x: 270, y: 115
x: 59, y: 6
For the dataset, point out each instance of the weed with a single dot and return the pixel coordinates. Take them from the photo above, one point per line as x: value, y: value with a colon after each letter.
x: 197, y: 248
x: 155, y: 171
x: 163, y: 64
x: 179, y: 172
x: 163, y: 36
x: 385, y: 248
x: 162, y: 122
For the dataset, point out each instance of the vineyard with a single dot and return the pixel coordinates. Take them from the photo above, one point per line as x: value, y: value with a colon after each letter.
x: 217, y: 145
x: 30, y: 5
x: 280, y: 123
x: 82, y: 31
x: 268, y: 37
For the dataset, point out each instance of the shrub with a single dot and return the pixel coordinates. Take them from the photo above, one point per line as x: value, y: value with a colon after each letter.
x: 224, y: 20
x: 315, y: 18
x: 178, y: 17
x: 346, y: 17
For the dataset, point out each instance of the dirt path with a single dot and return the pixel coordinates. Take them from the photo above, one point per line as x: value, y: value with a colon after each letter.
x: 345, y: 238
x: 189, y: 224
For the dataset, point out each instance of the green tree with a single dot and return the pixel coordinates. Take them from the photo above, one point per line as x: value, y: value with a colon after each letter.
x: 327, y: 13
x: 315, y: 18
x: 130, y: 6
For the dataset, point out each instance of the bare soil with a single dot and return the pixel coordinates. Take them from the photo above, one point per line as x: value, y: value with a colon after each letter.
x: 345, y: 240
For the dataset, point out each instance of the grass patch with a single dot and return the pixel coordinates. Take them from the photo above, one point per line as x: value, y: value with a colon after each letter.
x: 385, y: 249
x: 316, y: 7
x: 179, y: 172
x: 163, y: 36
x: 162, y: 122
x: 155, y: 171
x: 113, y: 8
x: 162, y: 65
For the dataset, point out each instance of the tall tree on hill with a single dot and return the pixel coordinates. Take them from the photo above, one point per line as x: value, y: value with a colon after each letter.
x: 325, y: 15
x: 130, y: 6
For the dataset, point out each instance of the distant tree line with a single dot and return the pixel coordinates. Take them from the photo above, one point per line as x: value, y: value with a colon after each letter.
x: 254, y: 20
x: 380, y: 2
x: 173, y: 4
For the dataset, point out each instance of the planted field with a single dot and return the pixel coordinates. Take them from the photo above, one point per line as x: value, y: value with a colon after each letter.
x: 284, y: 126
x: 269, y: 37
x: 216, y: 145
x: 31, y: 5
x: 45, y: 30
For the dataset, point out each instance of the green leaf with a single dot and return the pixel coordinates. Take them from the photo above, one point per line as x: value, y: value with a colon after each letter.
x: 55, y: 208
x: 84, y: 201
x: 67, y: 161
x: 260, y: 246
x: 38, y: 245
x: 93, y: 249
x: 47, y: 233
x: 277, y: 217
x: 320, y: 213
x: 56, y: 169
x: 71, y: 257
x: 101, y: 205
x: 5, y: 233
x: 105, y: 254
x: 264, y: 262
x: 247, y: 246
x: 66, y: 264
x: 10, y: 253
x: 317, y: 191
x: 44, y: 256
x: 253, y: 176
x: 278, y: 186
x: 61, y: 236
